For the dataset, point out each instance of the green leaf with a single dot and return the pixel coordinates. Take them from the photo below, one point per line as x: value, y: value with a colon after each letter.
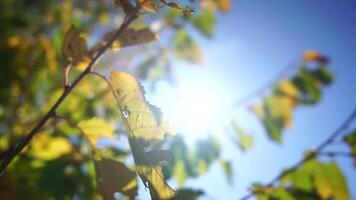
x: 204, y: 22
x: 226, y: 165
x: 145, y: 129
x: 186, y: 48
x: 245, y: 141
x: 180, y: 174
x: 328, y: 180
x: 113, y: 176
x: 351, y: 141
x: 308, y: 85
x: 300, y: 179
x: 323, y: 75
x: 276, y: 114
x: 96, y: 128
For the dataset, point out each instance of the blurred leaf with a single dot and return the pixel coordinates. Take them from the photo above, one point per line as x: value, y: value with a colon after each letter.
x: 224, y: 5
x: 204, y: 22
x: 96, y: 128
x: 186, y: 48
x: 226, y: 165
x: 144, y: 128
x: 46, y: 147
x: 113, y: 176
x: 245, y: 141
x: 328, y: 180
x: 275, y: 114
x: 314, y: 56
x: 350, y: 139
x: 188, y: 194
x: 300, y: 178
x: 148, y: 5
x: 74, y: 47
x: 287, y: 88
x: 202, y: 167
x: 309, y: 87
x: 179, y: 172
x: 130, y: 37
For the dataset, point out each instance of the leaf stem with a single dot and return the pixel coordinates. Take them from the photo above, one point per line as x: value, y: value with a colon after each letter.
x: 16, y: 149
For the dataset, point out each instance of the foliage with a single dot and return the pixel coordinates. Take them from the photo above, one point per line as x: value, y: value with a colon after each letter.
x: 50, y: 54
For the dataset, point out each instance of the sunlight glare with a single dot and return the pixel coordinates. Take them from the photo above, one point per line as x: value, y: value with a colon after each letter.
x: 192, y: 111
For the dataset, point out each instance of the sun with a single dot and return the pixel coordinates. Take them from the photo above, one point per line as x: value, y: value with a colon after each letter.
x: 192, y: 110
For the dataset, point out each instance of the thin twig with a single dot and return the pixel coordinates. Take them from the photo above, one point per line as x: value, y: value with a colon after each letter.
x: 66, y: 75
x: 336, y: 153
x: 67, y: 90
x: 312, y: 155
x: 285, y: 72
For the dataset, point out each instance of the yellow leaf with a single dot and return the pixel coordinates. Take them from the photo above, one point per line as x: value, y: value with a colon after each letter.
x: 148, y: 5
x: 282, y: 107
x: 46, y: 147
x: 286, y: 87
x: 74, y: 48
x: 224, y: 5
x: 113, y: 176
x: 95, y: 128
x: 144, y: 128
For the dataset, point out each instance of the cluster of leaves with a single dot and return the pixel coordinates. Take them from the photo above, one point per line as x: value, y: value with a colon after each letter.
x: 194, y: 162
x: 303, y: 88
x: 65, y: 159
x: 313, y: 180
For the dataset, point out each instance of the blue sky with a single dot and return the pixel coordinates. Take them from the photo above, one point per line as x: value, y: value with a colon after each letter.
x: 252, y: 43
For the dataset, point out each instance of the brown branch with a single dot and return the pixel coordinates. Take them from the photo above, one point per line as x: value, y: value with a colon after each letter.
x: 16, y: 149
x: 316, y: 152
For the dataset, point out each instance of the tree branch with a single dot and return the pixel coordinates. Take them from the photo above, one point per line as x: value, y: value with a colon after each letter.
x: 16, y: 149
x: 316, y: 152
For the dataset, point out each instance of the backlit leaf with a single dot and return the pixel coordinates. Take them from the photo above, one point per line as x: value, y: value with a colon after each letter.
x: 96, y: 128
x: 113, y: 176
x: 186, y: 48
x: 244, y: 140
x: 226, y: 165
x: 204, y: 22
x: 46, y: 147
x: 145, y: 128
x: 130, y: 37
x: 179, y: 172
x: 328, y: 180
